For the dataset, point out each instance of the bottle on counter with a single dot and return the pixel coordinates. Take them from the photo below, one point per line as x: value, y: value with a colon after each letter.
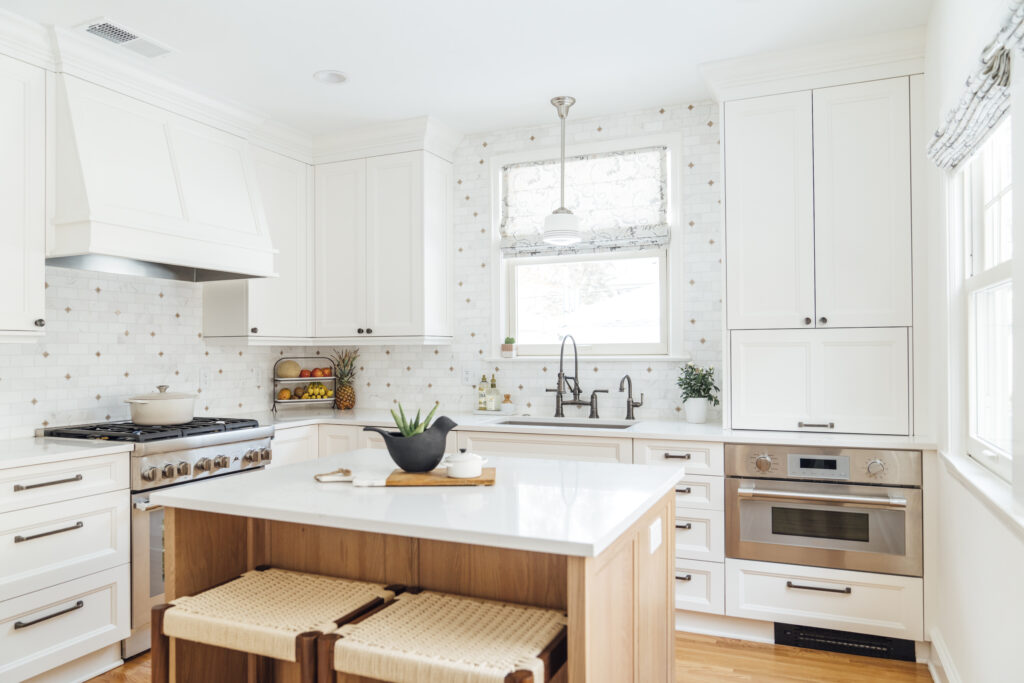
x: 481, y: 393
x: 492, y: 395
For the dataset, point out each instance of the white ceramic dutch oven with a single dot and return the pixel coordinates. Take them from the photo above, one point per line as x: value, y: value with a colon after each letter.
x: 162, y: 408
x: 463, y: 465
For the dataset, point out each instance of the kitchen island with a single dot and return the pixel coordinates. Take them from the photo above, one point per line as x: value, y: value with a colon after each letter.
x: 593, y: 539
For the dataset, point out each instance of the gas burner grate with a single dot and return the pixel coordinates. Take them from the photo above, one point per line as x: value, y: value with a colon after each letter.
x: 129, y: 431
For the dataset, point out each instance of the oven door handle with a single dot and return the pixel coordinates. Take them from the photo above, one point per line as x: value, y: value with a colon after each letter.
x: 145, y: 505
x: 889, y: 502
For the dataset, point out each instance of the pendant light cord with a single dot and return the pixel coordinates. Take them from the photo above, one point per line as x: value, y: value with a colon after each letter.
x: 562, y: 203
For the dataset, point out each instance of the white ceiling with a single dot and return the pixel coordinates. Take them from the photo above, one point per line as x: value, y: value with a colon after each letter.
x: 475, y: 64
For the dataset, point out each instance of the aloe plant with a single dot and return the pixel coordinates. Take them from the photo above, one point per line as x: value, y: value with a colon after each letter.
x: 414, y: 427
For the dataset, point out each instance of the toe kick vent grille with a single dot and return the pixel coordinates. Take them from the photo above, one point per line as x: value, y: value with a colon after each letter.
x: 845, y: 642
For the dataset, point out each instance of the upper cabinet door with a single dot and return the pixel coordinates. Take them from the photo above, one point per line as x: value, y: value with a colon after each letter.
x: 22, y: 201
x: 769, y: 206
x: 283, y: 306
x: 340, y: 249
x: 862, y: 204
x: 394, y: 244
x: 773, y: 378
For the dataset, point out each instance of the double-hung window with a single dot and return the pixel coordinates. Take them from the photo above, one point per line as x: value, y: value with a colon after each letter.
x: 988, y: 211
x: 610, y: 291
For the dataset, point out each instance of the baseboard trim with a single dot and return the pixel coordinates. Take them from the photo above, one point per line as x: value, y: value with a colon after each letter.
x: 940, y: 665
x: 725, y: 627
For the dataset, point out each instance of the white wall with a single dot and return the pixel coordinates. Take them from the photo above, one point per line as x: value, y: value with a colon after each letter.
x: 974, y: 596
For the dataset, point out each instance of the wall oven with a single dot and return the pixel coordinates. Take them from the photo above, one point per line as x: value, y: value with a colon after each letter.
x: 842, y: 508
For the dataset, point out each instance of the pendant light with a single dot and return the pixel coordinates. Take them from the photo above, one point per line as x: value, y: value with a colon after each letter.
x: 562, y: 228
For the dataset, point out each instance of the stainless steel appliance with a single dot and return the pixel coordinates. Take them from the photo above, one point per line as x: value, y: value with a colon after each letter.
x: 175, y: 455
x: 844, y: 508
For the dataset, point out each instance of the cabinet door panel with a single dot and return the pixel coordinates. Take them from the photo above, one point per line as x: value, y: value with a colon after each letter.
x: 596, y: 449
x: 336, y: 439
x: 769, y: 210
x: 340, y: 249
x: 862, y: 204
x: 22, y: 205
x: 295, y: 444
x: 772, y: 377
x: 394, y: 244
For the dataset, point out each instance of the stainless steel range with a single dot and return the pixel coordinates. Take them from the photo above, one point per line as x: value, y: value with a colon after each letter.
x: 175, y: 455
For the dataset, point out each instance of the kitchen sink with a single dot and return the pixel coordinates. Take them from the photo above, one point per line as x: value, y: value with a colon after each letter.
x: 568, y: 424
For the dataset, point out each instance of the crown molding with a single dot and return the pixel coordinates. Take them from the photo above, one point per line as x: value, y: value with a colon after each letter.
x: 420, y: 133
x: 26, y: 40
x: 885, y: 55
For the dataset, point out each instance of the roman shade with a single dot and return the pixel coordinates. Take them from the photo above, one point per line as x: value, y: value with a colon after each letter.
x: 620, y: 198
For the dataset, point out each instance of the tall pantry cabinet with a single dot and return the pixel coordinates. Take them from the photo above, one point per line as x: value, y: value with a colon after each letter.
x: 818, y: 258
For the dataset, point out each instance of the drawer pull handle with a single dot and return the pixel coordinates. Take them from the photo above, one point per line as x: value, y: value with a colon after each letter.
x: 679, y: 456
x: 845, y: 591
x: 24, y: 487
x: 26, y: 624
x: 22, y: 539
x: 683, y: 490
x: 685, y: 527
x: 819, y: 425
x: 684, y: 577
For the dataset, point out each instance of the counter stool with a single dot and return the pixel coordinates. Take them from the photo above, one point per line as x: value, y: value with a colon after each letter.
x: 268, y: 612
x: 428, y: 637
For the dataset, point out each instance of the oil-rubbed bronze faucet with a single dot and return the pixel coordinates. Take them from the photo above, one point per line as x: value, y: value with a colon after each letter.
x: 627, y: 381
x: 572, y: 381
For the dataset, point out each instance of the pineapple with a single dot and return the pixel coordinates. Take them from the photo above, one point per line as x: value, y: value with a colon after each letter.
x: 345, y: 398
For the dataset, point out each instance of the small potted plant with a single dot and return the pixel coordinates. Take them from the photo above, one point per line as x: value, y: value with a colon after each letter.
x: 698, y: 389
x: 508, y: 349
x: 417, y: 446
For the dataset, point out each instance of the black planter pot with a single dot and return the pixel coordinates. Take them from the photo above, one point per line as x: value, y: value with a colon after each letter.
x: 420, y: 453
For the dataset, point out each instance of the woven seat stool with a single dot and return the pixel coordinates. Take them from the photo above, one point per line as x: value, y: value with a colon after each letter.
x: 429, y: 637
x: 272, y: 613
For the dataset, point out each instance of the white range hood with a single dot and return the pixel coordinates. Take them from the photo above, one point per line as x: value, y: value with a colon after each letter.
x: 139, y: 189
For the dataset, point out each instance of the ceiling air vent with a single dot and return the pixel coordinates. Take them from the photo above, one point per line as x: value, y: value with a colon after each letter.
x: 123, y: 37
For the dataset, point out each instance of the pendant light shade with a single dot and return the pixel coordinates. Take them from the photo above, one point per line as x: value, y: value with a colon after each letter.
x: 562, y: 228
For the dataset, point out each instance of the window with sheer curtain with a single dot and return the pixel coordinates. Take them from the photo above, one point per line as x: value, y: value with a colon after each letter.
x: 987, y: 200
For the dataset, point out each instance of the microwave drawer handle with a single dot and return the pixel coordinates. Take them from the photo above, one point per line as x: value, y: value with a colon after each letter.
x: 768, y: 494
x: 844, y: 591
x: 26, y: 624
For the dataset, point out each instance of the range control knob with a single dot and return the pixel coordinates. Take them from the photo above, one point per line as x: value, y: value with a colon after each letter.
x: 251, y: 456
x: 149, y: 474
x: 876, y: 467
x: 763, y: 463
x: 265, y: 454
x: 168, y: 471
x: 221, y: 461
x: 183, y: 468
x: 204, y: 465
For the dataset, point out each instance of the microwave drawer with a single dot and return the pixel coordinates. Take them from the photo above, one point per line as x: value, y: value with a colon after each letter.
x: 861, y: 602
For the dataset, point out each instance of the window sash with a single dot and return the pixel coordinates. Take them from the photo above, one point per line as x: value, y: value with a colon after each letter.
x: 659, y: 348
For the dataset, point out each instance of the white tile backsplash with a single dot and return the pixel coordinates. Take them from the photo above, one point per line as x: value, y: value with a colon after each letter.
x: 112, y: 336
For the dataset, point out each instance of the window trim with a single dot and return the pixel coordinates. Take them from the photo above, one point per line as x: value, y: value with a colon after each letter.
x: 675, y: 270
x: 626, y: 349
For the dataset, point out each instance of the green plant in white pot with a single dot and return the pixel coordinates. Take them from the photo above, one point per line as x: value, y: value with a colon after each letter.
x: 698, y: 389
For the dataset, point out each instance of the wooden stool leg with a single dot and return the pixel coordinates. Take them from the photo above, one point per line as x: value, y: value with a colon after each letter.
x: 325, y: 657
x: 305, y: 655
x: 521, y: 676
x: 160, y: 648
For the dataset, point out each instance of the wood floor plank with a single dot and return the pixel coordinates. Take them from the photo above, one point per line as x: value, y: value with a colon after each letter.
x: 709, y: 659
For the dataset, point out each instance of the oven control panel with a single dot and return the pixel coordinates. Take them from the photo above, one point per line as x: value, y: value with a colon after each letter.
x: 852, y: 465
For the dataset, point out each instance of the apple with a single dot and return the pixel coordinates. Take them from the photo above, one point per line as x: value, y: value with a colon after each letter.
x: 317, y: 372
x: 328, y: 372
x: 305, y: 373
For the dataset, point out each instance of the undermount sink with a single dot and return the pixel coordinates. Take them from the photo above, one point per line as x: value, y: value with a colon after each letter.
x: 568, y: 424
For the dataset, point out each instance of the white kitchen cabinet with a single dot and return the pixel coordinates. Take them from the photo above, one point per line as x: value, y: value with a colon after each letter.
x: 53, y: 482
x: 700, y: 535
x: 384, y: 249
x: 697, y: 457
x: 769, y: 205
x: 848, y: 380
x: 862, y: 204
x: 334, y: 439
x: 700, y: 586
x: 594, y: 449
x: 701, y: 492
x: 862, y: 602
x: 278, y: 308
x: 294, y: 444
x: 22, y: 201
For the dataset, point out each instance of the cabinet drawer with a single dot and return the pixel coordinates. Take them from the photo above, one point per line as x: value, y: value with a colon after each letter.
x: 45, y: 629
x: 699, y: 458
x: 49, y: 544
x: 700, y: 535
x: 705, y: 493
x: 878, y: 604
x: 23, y: 487
x: 556, y: 446
x: 700, y: 586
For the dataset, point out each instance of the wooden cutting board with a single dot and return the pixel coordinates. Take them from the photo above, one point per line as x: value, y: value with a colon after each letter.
x: 438, y: 477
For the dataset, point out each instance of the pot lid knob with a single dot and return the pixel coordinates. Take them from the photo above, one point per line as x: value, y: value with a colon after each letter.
x: 162, y: 388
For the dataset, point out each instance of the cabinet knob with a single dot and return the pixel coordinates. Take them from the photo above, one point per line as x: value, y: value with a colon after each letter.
x: 40, y: 323
x: 360, y: 330
x: 823, y: 320
x: 808, y: 321
x: 369, y: 331
x: 255, y: 330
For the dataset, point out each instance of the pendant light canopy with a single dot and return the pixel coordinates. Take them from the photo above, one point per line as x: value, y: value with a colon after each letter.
x: 562, y: 227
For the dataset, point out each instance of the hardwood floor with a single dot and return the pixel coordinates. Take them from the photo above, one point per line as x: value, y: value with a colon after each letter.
x: 707, y: 659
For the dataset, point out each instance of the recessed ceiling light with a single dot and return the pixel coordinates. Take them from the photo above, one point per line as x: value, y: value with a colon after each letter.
x: 330, y: 76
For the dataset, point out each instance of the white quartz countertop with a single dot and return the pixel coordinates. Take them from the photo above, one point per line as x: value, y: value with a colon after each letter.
x: 22, y: 452
x: 674, y: 430
x: 544, y: 505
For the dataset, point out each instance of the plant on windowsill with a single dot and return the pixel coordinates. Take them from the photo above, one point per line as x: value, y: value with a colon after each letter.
x: 698, y: 390
x: 508, y: 349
